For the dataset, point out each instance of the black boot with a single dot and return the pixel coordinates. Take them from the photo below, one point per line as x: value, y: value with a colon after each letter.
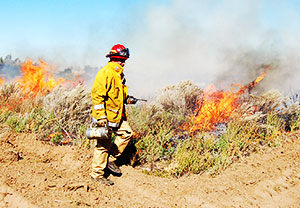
x: 114, y: 168
x: 103, y: 180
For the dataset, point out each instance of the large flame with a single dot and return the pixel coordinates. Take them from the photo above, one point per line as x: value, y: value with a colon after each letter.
x: 216, y: 106
x: 37, y: 77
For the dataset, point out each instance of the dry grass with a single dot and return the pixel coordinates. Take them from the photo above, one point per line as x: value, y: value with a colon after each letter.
x: 260, y: 121
x: 65, y: 110
x: 162, y: 144
x: 71, y: 109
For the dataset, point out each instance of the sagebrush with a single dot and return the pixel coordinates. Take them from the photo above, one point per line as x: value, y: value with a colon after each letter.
x: 163, y: 146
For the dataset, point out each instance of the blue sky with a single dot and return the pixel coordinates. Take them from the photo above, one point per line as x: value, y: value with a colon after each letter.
x: 54, y: 22
x: 46, y: 24
x: 159, y: 33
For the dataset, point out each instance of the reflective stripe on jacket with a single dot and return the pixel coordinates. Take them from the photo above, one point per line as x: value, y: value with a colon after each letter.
x: 108, y: 94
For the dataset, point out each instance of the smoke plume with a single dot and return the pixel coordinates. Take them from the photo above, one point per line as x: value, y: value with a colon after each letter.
x: 205, y: 41
x: 220, y: 42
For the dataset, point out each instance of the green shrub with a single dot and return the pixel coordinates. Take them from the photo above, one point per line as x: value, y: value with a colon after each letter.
x: 15, y: 123
x: 295, y: 123
x: 154, y: 147
x: 215, y: 153
x: 57, y: 138
x: 193, y: 155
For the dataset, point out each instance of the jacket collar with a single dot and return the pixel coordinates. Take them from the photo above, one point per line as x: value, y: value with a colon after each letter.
x: 117, y: 67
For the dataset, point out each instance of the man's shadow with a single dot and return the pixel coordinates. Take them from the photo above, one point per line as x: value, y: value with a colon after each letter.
x: 128, y: 157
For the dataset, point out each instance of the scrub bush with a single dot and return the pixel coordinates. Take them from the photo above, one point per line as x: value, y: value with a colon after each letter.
x: 70, y: 110
x: 260, y: 121
x: 63, y: 109
x: 163, y: 146
x: 156, y: 123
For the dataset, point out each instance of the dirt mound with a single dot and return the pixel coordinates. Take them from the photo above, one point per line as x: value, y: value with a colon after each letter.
x: 37, y: 174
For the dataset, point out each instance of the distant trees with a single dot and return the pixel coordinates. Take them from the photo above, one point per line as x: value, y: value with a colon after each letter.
x: 9, y: 67
x: 9, y: 61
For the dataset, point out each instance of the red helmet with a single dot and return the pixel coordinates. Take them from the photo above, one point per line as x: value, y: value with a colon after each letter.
x: 118, y: 51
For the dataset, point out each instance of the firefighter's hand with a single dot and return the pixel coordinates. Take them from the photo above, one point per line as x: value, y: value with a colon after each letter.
x: 102, y: 122
x: 131, y: 100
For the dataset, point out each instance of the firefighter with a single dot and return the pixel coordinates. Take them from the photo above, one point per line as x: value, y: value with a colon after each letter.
x: 109, y: 96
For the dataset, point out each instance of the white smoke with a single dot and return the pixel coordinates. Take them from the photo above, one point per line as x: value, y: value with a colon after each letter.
x: 205, y: 41
x: 211, y: 42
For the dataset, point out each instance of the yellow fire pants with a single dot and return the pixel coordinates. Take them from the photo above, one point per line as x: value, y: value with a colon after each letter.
x: 105, y: 148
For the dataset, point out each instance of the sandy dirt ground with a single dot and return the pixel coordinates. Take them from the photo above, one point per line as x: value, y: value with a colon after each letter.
x: 34, y: 173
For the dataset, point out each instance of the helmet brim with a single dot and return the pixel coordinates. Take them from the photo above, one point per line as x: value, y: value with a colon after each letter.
x: 115, y: 56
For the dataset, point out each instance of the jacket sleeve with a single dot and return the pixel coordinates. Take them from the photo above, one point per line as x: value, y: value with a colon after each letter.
x: 99, y: 94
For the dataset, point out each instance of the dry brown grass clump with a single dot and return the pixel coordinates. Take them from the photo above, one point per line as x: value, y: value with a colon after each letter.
x: 63, y: 111
x: 71, y: 109
x: 180, y: 98
x: 13, y: 99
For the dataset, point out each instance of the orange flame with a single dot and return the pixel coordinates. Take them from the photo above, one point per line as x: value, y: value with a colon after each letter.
x: 216, y: 106
x: 1, y: 80
x: 261, y: 77
x: 36, y: 77
x: 255, y: 82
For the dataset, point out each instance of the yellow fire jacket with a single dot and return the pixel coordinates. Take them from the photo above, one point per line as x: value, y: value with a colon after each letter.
x: 108, y: 94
